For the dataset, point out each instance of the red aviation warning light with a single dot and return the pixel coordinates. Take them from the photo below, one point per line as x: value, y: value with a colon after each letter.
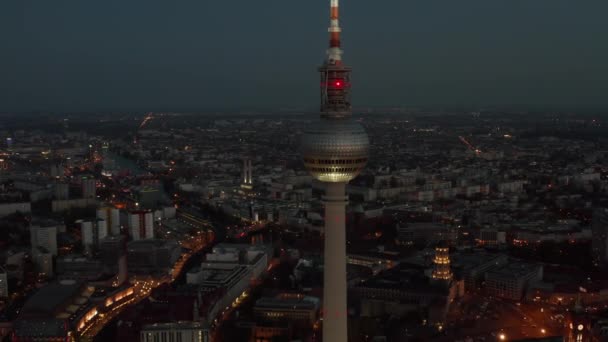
x: 335, y: 76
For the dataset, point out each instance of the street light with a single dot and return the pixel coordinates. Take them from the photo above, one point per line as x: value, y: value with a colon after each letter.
x: 543, y: 331
x: 502, y: 337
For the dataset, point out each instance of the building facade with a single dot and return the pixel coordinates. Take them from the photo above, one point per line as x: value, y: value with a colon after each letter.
x: 141, y: 225
x: 174, y: 332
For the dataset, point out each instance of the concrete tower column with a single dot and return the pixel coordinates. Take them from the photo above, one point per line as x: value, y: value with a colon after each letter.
x: 334, y: 272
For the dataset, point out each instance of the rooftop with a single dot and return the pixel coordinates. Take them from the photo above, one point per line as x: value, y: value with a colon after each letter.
x: 289, y: 300
x: 41, y: 328
x: 183, y: 325
x: 403, y: 277
x: 515, y: 269
x: 48, y: 299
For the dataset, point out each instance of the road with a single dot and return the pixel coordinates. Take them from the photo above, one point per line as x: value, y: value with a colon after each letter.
x: 143, y: 286
x: 486, y: 319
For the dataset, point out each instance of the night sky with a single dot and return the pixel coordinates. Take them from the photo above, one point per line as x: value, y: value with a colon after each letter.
x: 88, y: 55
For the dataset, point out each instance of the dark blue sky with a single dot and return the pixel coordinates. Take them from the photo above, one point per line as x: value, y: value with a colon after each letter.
x: 78, y: 55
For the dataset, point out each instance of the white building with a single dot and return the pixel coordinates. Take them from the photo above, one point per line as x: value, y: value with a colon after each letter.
x: 92, y: 232
x: 174, y: 332
x: 141, y: 225
x: 112, y: 218
x: 86, y: 232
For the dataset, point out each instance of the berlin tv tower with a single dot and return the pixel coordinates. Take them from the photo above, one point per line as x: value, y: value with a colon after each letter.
x: 335, y: 150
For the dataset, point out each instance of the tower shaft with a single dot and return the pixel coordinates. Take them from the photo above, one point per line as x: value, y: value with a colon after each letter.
x: 334, y: 272
x: 335, y: 150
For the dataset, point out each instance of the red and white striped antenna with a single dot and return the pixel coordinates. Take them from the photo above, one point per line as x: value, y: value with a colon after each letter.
x: 334, y: 53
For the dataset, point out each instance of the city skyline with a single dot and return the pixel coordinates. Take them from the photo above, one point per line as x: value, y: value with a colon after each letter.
x: 235, y: 207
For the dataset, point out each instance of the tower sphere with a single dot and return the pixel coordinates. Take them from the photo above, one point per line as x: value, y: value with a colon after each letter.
x: 335, y: 150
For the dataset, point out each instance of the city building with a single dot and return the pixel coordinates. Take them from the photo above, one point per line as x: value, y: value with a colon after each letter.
x: 424, y: 233
x: 269, y: 331
x: 44, y: 235
x: 148, y: 196
x: 287, y: 307
x: 141, y: 225
x: 491, y: 237
x: 473, y: 266
x: 377, y: 259
x: 50, y: 314
x: 404, y: 289
x: 335, y: 150
x: 113, y: 255
x: 442, y: 270
x: 43, y: 259
x: 175, y: 332
x: 15, y: 207
x: 92, y: 232
x: 89, y: 187
x: 229, y: 268
x: 599, y: 231
x: 112, y: 217
x: 78, y: 267
x: 152, y: 256
x: 63, y: 205
x: 512, y: 280
x: 3, y: 283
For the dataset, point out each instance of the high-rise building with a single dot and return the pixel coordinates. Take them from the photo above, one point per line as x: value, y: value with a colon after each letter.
x: 112, y: 217
x: 43, y: 259
x: 88, y: 187
x: 599, y: 231
x: 335, y: 150
x: 141, y: 225
x: 86, y: 232
x: 3, y: 283
x: 441, y: 270
x: 113, y: 255
x: 92, y: 232
x: 44, y: 236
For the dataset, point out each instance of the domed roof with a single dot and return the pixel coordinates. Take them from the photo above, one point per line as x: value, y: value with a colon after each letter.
x: 335, y: 150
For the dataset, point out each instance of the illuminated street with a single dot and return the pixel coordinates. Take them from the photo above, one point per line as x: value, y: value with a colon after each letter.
x: 143, y: 286
x: 498, y: 319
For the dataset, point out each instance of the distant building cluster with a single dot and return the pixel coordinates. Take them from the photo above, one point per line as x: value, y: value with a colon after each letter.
x: 451, y: 211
